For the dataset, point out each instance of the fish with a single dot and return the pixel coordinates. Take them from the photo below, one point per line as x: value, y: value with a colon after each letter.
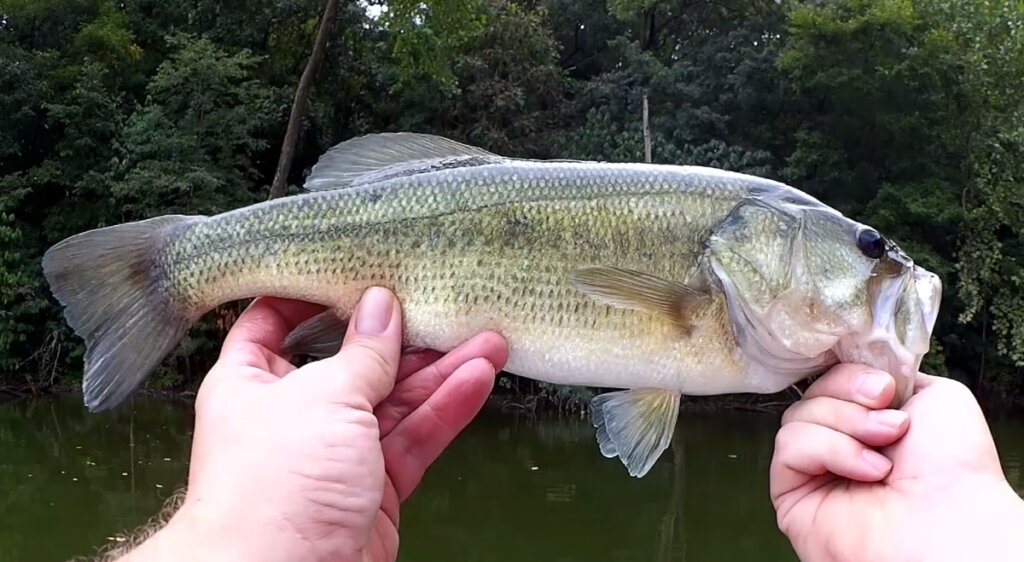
x: 648, y: 281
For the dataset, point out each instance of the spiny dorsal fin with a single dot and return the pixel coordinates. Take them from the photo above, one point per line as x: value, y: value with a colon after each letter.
x: 625, y: 288
x: 379, y: 156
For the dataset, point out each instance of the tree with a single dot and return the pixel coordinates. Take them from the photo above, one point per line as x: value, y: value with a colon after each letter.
x: 904, y: 114
x: 284, y: 165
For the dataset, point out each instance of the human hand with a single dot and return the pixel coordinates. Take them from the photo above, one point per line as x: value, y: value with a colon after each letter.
x: 854, y: 481
x: 312, y: 463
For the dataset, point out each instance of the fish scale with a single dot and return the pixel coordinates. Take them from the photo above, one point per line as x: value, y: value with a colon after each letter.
x: 660, y: 280
x: 493, y: 230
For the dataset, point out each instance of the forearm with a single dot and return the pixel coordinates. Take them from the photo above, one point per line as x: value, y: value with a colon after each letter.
x: 1000, y: 532
x: 196, y: 531
x: 178, y: 532
x: 181, y: 538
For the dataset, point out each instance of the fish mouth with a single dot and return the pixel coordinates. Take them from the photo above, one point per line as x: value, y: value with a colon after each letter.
x: 903, y: 313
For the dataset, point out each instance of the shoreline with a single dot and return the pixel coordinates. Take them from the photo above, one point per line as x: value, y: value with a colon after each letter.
x: 523, y: 403
x: 527, y: 403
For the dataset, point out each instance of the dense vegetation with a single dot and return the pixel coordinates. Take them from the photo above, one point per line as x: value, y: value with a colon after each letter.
x: 903, y: 113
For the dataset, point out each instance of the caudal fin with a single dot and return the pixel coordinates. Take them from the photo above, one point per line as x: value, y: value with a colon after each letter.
x: 109, y: 283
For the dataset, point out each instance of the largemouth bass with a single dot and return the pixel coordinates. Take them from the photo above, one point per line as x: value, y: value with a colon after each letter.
x: 659, y: 280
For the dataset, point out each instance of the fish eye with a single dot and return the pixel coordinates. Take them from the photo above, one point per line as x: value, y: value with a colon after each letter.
x: 871, y: 243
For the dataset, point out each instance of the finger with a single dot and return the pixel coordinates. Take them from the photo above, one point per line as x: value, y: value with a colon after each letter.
x: 868, y: 387
x: 805, y: 450
x: 412, y: 362
x: 260, y: 329
x: 876, y: 428
x: 410, y: 393
x: 924, y: 381
x: 417, y: 441
x: 363, y: 372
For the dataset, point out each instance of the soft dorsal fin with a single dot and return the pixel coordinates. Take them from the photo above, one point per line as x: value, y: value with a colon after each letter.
x: 379, y: 156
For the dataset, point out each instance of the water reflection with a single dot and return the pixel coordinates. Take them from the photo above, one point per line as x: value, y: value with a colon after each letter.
x: 516, y: 491
x: 70, y: 479
x: 509, y: 489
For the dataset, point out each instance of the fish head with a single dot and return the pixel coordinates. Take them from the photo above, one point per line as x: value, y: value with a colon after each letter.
x: 807, y: 287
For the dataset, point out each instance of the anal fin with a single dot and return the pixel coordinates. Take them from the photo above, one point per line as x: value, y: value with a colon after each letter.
x: 635, y: 425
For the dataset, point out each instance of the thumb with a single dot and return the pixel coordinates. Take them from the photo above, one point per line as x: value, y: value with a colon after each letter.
x: 363, y: 372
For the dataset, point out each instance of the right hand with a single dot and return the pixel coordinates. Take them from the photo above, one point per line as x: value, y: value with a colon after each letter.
x: 854, y: 481
x: 312, y: 463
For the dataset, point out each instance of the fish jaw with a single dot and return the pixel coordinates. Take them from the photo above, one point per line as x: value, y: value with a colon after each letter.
x: 903, y: 317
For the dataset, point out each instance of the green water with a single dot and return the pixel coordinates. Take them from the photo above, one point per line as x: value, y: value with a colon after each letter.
x: 510, y: 489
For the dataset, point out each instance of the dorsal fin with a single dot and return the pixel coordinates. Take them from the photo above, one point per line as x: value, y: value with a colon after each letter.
x: 381, y: 156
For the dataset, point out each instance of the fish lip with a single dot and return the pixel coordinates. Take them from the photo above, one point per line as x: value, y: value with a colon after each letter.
x: 929, y: 293
x: 883, y: 346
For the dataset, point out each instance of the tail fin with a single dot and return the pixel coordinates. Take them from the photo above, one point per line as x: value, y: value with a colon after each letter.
x: 109, y: 285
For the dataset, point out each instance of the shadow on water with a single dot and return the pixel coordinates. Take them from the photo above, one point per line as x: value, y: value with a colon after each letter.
x: 509, y: 489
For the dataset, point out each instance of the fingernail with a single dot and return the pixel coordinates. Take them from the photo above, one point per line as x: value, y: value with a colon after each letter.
x: 374, y: 314
x: 888, y: 418
x: 870, y: 386
x: 876, y: 461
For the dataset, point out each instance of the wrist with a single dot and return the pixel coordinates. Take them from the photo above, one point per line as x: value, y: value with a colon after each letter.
x: 990, y: 528
x: 197, y: 533
x: 182, y: 538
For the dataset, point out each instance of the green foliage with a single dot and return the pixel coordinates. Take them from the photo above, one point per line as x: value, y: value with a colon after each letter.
x: 428, y: 36
x: 20, y: 298
x: 188, y: 148
x: 707, y: 108
x: 913, y: 122
x: 905, y: 114
x: 507, y: 84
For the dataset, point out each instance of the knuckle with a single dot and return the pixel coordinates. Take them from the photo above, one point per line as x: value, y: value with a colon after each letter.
x: 954, y: 386
x: 369, y: 353
x: 785, y: 438
x: 793, y: 412
x: 955, y: 391
x: 850, y: 373
x: 836, y: 446
x: 819, y: 410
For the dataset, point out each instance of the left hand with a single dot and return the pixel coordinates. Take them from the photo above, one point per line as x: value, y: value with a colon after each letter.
x: 853, y: 480
x: 312, y: 463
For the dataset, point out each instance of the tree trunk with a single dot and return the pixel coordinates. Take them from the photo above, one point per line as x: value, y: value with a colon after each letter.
x: 284, y: 164
x: 647, y: 133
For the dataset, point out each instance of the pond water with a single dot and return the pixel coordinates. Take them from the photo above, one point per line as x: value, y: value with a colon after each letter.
x: 509, y: 489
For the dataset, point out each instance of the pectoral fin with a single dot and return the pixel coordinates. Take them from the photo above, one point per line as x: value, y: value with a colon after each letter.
x: 635, y: 425
x: 319, y: 336
x: 625, y: 288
